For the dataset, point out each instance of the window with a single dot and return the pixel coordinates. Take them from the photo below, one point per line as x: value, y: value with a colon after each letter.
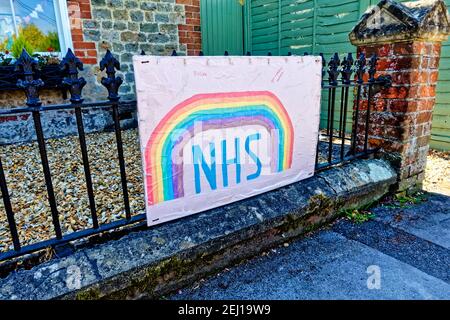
x: 38, y: 25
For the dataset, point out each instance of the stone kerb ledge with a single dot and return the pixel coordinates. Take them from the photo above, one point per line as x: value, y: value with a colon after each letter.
x: 159, y: 260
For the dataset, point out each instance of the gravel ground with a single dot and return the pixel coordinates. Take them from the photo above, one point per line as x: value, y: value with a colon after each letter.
x: 437, y: 173
x: 29, y: 196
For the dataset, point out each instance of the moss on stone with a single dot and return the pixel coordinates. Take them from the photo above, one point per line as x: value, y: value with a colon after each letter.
x: 319, y: 205
x: 147, y: 282
x: 88, y: 294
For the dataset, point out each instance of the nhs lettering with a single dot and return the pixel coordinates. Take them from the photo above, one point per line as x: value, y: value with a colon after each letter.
x: 240, y: 132
x: 220, y: 165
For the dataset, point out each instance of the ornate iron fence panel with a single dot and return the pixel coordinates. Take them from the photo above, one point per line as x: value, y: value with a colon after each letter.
x: 346, y: 83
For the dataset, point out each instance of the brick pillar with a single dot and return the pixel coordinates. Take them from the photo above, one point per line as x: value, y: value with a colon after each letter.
x: 189, y: 33
x: 407, y: 40
x: 80, y: 10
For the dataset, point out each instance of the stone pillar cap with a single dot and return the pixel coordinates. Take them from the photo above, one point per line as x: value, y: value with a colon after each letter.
x: 390, y: 21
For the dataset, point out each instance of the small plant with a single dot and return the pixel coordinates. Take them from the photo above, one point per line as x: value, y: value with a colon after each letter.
x: 404, y: 201
x: 50, y: 58
x: 18, y: 45
x: 358, y: 216
x: 410, y: 199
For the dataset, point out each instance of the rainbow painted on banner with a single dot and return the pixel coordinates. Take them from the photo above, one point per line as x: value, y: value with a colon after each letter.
x: 212, y: 111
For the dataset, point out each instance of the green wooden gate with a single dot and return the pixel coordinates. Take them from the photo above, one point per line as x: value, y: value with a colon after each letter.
x: 298, y: 26
x: 222, y: 27
x: 311, y: 26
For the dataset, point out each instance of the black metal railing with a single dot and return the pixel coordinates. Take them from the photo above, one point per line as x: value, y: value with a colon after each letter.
x: 70, y: 66
x: 342, y: 143
x: 339, y: 78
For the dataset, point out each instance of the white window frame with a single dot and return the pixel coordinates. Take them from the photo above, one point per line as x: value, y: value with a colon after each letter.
x: 63, y: 26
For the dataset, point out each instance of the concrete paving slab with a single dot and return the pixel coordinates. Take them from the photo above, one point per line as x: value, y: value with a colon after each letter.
x: 430, y: 220
x: 417, y: 252
x: 325, y: 266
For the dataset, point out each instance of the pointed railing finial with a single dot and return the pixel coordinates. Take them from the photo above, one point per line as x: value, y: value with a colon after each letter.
x: 324, y: 61
x: 26, y: 64
x: 26, y: 67
x: 347, y: 69
x: 360, y: 67
x: 333, y: 71
x: 70, y: 65
x: 373, y: 61
x: 111, y: 82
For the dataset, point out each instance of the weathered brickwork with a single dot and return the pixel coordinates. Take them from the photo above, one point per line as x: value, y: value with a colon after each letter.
x: 401, y: 116
x: 407, y: 39
x: 80, y: 10
x: 190, y: 32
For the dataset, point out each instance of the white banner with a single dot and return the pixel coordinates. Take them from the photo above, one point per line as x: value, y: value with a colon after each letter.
x: 215, y: 130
